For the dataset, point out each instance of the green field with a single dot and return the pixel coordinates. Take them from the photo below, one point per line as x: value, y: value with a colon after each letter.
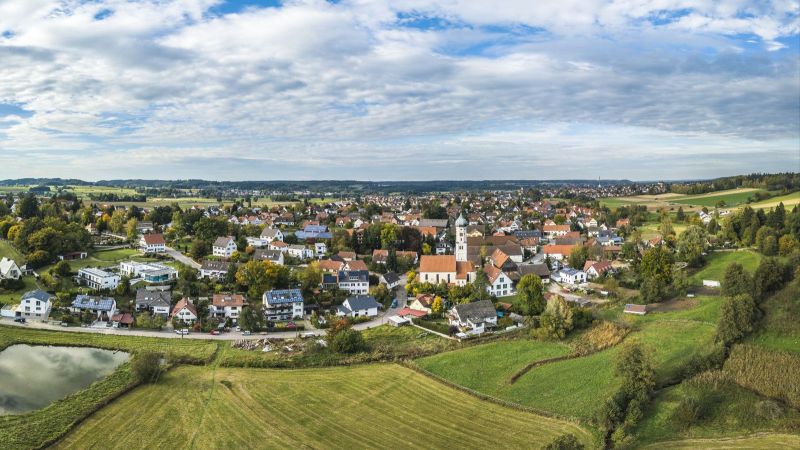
x: 789, y: 201
x: 767, y: 441
x: 717, y: 262
x: 486, y: 368
x: 372, y: 406
x: 12, y: 298
x: 7, y: 250
x: 780, y: 326
x: 731, y: 197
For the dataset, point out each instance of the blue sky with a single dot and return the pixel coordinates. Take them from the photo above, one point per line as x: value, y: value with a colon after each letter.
x: 400, y: 90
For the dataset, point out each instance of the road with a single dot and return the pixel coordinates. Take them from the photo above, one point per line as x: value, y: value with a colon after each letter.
x: 183, y: 259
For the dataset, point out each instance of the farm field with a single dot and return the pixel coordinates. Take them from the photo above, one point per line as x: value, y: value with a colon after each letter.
x: 780, y: 327
x: 767, y: 441
x: 731, y: 197
x: 789, y: 201
x: 717, y: 262
x: 373, y: 406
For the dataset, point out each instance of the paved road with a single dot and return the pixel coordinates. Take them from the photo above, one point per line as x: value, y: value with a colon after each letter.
x: 181, y: 258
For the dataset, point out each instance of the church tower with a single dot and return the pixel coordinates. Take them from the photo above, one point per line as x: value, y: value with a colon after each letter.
x: 461, y: 238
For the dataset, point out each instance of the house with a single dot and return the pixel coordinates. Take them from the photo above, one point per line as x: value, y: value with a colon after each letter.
x: 97, y: 278
x: 358, y: 306
x: 500, y: 284
x: 437, y: 269
x: 475, y: 317
x: 538, y: 269
x: 72, y: 256
x: 320, y: 248
x: 329, y: 265
x: 595, y: 269
x: 271, y: 234
x: 631, y: 308
x: 346, y: 256
x: 156, y: 302
x: 355, y: 265
x: 355, y: 281
x: 226, y: 306
x: 623, y: 223
x: 152, y: 243
x: 553, y: 231
x: 35, y: 304
x: 300, y: 251
x: 122, y: 320
x: 409, y: 313
x: 391, y: 280
x: 423, y: 302
x: 283, y: 304
x: 9, y: 270
x: 314, y: 232
x: 570, y: 276
x: 558, y: 252
x: 224, y: 247
x: 144, y: 227
x: 102, y: 307
x: 150, y: 272
x: 184, y: 311
x: 273, y: 256
x: 380, y: 256
x: 215, y: 269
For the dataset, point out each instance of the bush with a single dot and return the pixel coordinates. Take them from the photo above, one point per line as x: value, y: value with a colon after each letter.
x: 62, y: 269
x: 147, y: 366
x: 771, y: 373
x: 347, y: 341
x: 564, y: 442
x: 602, y: 336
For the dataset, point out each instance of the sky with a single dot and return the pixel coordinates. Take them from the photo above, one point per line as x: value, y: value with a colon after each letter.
x: 398, y: 90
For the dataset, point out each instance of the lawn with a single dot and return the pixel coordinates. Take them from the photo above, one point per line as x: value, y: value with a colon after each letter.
x: 486, y: 368
x: 7, y: 250
x: 652, y: 230
x: 780, y: 326
x: 373, y: 406
x: 12, y: 298
x: 717, y: 263
x: 731, y: 197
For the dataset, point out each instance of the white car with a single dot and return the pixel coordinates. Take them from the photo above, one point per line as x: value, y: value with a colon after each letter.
x: 182, y: 332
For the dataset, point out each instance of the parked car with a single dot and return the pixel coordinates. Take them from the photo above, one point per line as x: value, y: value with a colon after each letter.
x: 214, y: 333
x: 291, y: 325
x: 19, y: 319
x: 394, y: 303
x: 246, y: 333
x: 182, y: 332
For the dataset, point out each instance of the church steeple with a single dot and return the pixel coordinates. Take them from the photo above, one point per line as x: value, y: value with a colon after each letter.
x: 461, y: 238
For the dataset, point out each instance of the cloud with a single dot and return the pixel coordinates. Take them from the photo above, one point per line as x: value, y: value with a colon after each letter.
x: 407, y: 89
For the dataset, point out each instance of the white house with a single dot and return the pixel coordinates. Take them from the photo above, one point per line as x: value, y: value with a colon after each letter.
x: 273, y: 256
x: 35, y: 305
x: 154, y: 301
x: 358, y: 306
x: 353, y: 281
x: 152, y: 243
x: 214, y: 269
x: 391, y: 280
x: 283, y: 304
x: 321, y: 249
x: 475, y: 317
x: 500, y: 285
x: 570, y: 276
x: 227, y: 306
x: 595, y: 269
x: 300, y: 251
x: 224, y: 247
x: 9, y: 270
x: 150, y: 272
x: 102, y: 307
x: 185, y: 311
x: 271, y: 234
x: 97, y: 278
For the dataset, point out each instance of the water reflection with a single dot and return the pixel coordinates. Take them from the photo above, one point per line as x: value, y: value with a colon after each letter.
x: 32, y: 377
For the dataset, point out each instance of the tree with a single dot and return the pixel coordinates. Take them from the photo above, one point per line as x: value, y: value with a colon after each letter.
x: 147, y: 366
x: 680, y: 216
x: 28, y: 206
x: 767, y: 278
x: 62, y: 269
x: 530, y: 294
x: 787, y: 244
x: 342, y: 338
x: 691, y: 245
x: 737, y: 317
x: 578, y: 256
x: 736, y: 281
x: 564, y: 442
x: 437, y: 307
x: 480, y: 285
x: 255, y: 276
x: 766, y: 245
x: 310, y: 278
x: 200, y: 248
x: 556, y: 320
x: 131, y: 231
x: 657, y: 263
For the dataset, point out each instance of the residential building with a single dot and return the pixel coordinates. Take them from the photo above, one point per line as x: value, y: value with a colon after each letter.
x: 9, y: 270
x: 152, y: 243
x: 149, y: 272
x: 500, y: 284
x: 215, y: 269
x: 96, y: 278
x: 380, y: 256
x: 300, y: 251
x: 541, y: 270
x: 353, y: 281
x: 224, y: 247
x: 272, y: 234
x: 391, y: 280
x: 358, y: 306
x: 570, y: 276
x: 156, y: 302
x: 185, y: 311
x: 283, y: 304
x: 102, y: 307
x: 475, y: 317
x: 226, y: 306
x: 595, y: 269
x: 273, y: 256
x: 423, y: 302
x: 35, y: 304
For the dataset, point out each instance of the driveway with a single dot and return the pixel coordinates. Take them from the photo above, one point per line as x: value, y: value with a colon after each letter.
x: 183, y: 259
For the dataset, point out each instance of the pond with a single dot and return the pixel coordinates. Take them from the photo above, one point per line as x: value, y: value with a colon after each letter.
x: 32, y: 377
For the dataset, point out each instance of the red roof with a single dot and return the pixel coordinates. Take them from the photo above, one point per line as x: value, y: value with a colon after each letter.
x: 154, y: 239
x: 124, y: 318
x: 184, y: 303
x: 411, y: 312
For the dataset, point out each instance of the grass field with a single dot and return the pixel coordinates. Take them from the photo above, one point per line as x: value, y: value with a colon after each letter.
x: 789, y: 201
x: 780, y: 326
x: 731, y: 197
x: 7, y: 250
x: 373, y: 406
x: 485, y: 368
x: 12, y: 298
x: 766, y: 441
x: 717, y: 262
x: 652, y: 230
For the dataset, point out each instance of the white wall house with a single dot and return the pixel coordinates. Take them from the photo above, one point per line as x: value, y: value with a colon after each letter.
x: 283, y: 304
x: 500, y: 285
x: 226, y: 306
x: 184, y: 311
x: 9, y: 270
x: 97, y: 278
x: 300, y: 251
x: 152, y: 243
x: 475, y: 317
x: 359, y: 306
x: 35, y: 305
x: 224, y: 247
x: 571, y: 276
